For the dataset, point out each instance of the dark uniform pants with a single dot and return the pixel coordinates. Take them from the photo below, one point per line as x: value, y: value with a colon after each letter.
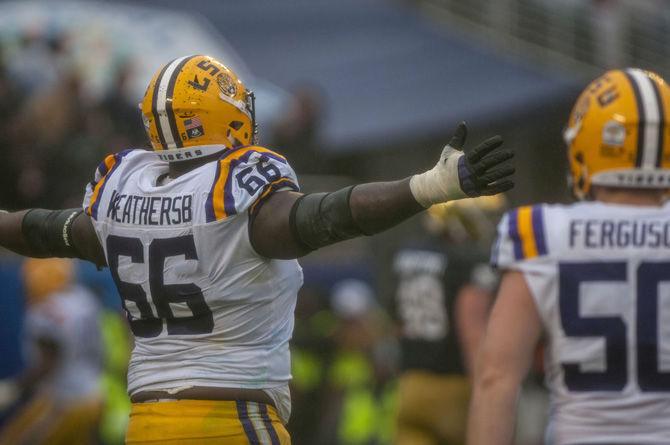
x: 432, y: 409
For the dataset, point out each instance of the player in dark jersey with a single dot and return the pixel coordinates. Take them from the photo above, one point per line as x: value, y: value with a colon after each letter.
x: 443, y: 291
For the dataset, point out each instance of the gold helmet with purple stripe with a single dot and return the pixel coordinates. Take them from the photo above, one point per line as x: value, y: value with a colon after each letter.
x: 618, y: 133
x: 195, y: 106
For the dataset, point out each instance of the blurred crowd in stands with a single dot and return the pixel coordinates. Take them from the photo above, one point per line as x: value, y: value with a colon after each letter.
x: 53, y: 132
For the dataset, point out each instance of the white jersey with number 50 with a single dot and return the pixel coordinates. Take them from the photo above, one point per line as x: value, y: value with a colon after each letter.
x: 600, y: 277
x: 205, y: 308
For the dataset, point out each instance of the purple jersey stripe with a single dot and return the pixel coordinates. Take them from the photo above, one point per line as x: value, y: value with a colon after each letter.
x: 102, y: 169
x: 209, y: 205
x: 117, y: 157
x: 538, y: 229
x: 263, y: 409
x: 228, y: 199
x: 285, y: 182
x: 513, y: 231
x: 249, y: 430
x: 280, y: 183
x: 273, y: 156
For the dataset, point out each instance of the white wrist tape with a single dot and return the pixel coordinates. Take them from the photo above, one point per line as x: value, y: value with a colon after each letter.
x: 441, y: 183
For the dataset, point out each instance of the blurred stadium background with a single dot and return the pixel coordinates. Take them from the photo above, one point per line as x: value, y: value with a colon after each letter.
x: 349, y: 91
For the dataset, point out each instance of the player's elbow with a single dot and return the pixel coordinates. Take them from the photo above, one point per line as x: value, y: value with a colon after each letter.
x: 489, y: 379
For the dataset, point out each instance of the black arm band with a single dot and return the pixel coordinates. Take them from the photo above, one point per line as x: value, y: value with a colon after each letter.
x: 321, y: 219
x: 49, y: 232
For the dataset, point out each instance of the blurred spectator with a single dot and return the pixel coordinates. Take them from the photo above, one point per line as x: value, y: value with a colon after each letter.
x: 360, y: 390
x: 12, y: 98
x: 311, y: 353
x: 48, y: 123
x: 39, y: 58
x: 444, y: 290
x: 64, y: 350
x: 117, y: 345
x: 52, y: 129
x: 124, y: 126
x: 296, y: 132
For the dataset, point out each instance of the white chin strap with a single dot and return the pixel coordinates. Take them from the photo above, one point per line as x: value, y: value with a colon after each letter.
x: 189, y: 153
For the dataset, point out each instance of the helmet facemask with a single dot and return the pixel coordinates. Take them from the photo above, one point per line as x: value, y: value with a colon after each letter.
x: 250, y: 104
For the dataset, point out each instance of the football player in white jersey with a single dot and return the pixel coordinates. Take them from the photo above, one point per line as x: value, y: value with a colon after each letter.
x: 201, y: 236
x: 590, y: 280
x: 65, y: 357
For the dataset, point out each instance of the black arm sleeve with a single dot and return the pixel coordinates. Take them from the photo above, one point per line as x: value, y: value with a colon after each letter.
x: 49, y: 232
x: 321, y: 219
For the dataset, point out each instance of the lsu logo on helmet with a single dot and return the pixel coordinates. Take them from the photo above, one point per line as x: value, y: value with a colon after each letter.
x: 195, y: 106
x: 618, y: 133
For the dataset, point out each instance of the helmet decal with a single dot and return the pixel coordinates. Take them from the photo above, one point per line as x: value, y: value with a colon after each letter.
x: 226, y: 85
x: 193, y: 127
x: 614, y: 134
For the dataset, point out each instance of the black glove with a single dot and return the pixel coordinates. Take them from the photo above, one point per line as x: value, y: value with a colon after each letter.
x: 464, y: 173
x: 480, y: 171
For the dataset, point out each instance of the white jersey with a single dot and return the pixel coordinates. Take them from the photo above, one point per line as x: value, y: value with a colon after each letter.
x: 69, y: 318
x: 205, y: 308
x: 600, y: 277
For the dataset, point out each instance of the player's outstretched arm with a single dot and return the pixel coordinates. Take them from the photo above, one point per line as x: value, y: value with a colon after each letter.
x: 289, y: 225
x: 505, y: 356
x: 51, y: 233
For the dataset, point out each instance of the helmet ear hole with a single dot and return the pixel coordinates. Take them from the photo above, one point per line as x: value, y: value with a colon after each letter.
x: 236, y: 125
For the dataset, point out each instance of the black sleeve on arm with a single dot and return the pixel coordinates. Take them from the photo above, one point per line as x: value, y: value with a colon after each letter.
x: 321, y: 219
x: 48, y: 233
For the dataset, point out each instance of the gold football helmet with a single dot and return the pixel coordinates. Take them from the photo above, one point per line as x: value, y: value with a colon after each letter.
x: 467, y: 220
x: 43, y: 277
x: 196, y: 106
x: 618, y: 134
